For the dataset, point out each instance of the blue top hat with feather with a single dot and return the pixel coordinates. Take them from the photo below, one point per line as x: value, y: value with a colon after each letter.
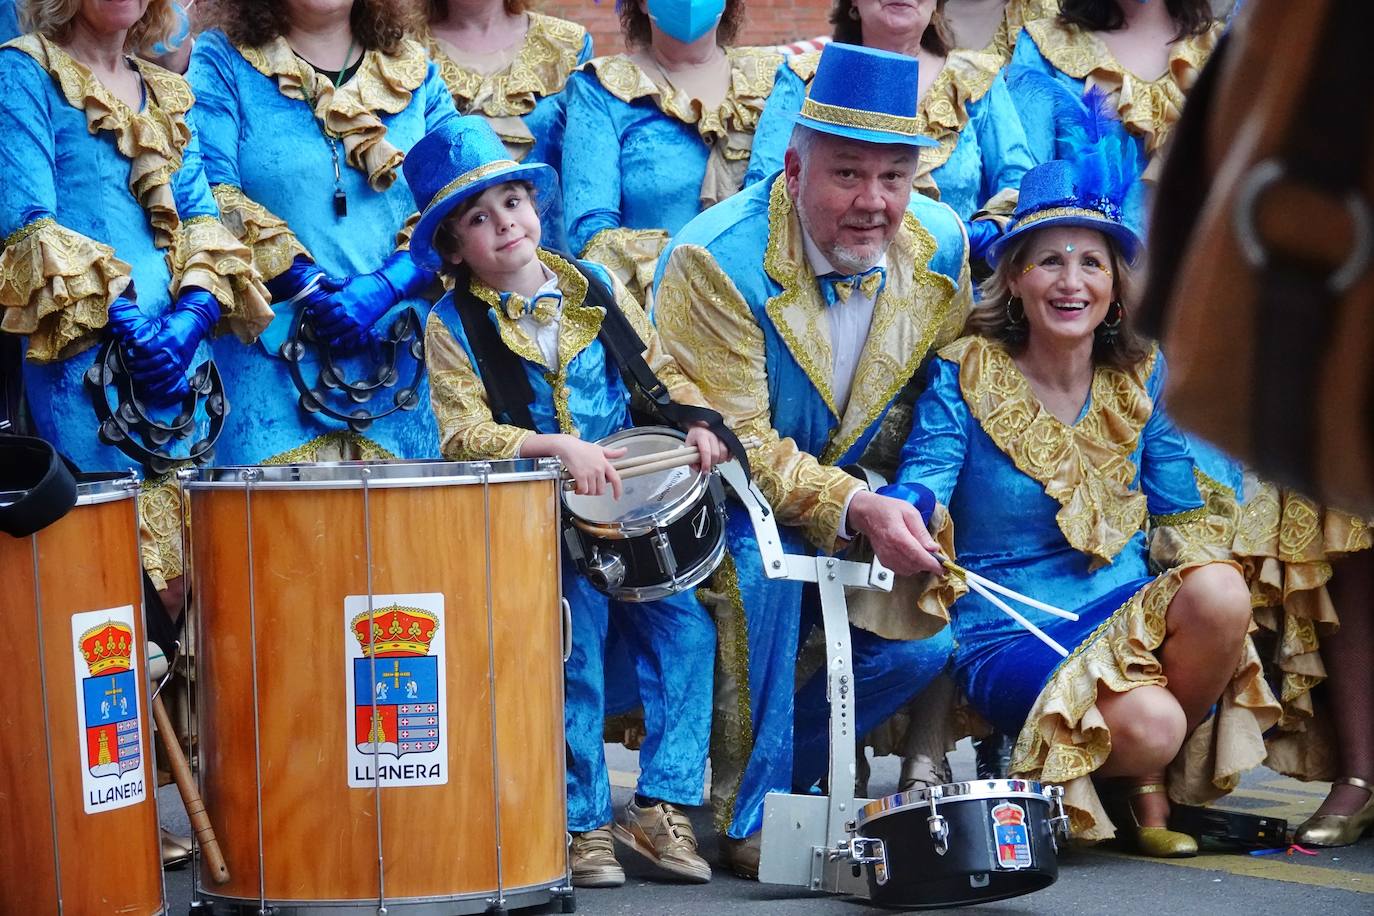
x: 458, y: 159
x: 1094, y: 190
x: 865, y: 94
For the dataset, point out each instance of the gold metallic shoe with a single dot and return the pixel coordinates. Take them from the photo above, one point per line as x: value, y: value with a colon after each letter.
x: 1338, y: 829
x: 176, y: 850
x: 1157, y: 842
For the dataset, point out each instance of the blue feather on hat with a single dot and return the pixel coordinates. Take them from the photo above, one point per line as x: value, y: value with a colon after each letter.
x: 1107, y: 164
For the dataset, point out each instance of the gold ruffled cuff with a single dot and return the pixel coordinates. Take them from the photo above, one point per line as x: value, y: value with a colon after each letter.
x: 1000, y: 207
x: 272, y: 242
x: 631, y: 255
x: 56, y: 286
x: 404, y: 234
x: 1065, y: 739
x: 918, y: 606
x: 205, y: 254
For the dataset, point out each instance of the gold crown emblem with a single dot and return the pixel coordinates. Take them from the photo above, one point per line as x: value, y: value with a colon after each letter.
x: 395, y: 630
x: 1008, y: 815
x: 108, y: 647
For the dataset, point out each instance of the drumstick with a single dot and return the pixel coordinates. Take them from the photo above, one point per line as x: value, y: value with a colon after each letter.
x: 1012, y: 613
x: 1010, y: 593
x: 624, y: 464
x: 190, y: 796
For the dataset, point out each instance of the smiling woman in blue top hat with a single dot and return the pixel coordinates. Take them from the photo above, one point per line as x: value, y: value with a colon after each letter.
x: 802, y: 307
x: 1043, y: 434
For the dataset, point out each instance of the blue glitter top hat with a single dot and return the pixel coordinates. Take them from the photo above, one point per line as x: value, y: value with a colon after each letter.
x: 1094, y: 190
x: 865, y: 94
x: 457, y: 160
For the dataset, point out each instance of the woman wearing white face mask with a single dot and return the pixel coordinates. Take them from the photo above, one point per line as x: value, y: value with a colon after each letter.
x: 658, y: 134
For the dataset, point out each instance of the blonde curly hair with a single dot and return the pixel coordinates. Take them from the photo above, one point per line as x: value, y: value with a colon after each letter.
x: 53, y: 19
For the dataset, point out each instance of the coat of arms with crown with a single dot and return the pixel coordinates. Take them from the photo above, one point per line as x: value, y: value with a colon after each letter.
x: 110, y: 699
x: 396, y: 681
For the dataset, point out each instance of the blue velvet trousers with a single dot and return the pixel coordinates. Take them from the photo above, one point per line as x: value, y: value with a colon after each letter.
x: 671, y: 644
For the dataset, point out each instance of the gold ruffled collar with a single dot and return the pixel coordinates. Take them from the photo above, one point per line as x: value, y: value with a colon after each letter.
x: 943, y: 113
x: 540, y: 68
x: 383, y: 84
x: 752, y: 71
x: 1015, y: 15
x: 1148, y: 108
x: 912, y: 306
x: 153, y: 139
x: 1085, y: 467
x: 579, y: 325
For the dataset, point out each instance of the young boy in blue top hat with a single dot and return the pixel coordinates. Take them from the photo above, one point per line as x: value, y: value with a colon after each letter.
x: 558, y: 390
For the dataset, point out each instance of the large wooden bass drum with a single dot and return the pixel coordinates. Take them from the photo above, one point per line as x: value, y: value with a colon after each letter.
x: 79, y: 829
x: 381, y: 668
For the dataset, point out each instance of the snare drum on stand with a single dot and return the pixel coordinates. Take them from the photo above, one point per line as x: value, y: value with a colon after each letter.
x: 81, y: 831
x: 664, y: 535
x: 381, y: 662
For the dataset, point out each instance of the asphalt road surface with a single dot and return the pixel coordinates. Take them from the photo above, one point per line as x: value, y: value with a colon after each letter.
x: 1095, y: 880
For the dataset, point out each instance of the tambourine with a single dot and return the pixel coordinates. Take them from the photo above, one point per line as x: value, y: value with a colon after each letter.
x: 405, y: 334
x: 130, y: 427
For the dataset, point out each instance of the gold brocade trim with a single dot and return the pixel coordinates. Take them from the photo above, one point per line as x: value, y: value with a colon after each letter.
x: 206, y: 254
x: 383, y: 83
x: 467, y: 430
x: 732, y: 123
x: 1179, y: 518
x: 161, y: 515
x: 471, y: 176
x: 804, y: 65
x: 906, y: 316
x: 854, y: 117
x: 1148, y: 108
x: 1085, y: 467
x: 631, y: 255
x: 547, y: 56
x: 56, y: 286
x: 28, y: 229
x: 268, y: 237
x: 152, y: 140
x: 1056, y: 213
x: 734, y: 742
x: 943, y: 112
x: 1014, y: 17
x: 1065, y: 738
x: 342, y: 442
x: 577, y: 328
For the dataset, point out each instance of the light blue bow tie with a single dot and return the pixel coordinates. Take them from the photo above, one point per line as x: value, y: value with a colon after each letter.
x: 543, y: 306
x: 837, y: 287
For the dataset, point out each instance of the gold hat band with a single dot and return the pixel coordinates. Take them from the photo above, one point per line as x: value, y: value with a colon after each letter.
x: 854, y: 117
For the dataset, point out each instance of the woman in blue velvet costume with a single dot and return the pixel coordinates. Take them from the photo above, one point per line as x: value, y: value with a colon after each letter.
x: 980, y: 153
x: 109, y: 223
x: 514, y: 66
x: 657, y: 135
x: 1043, y: 435
x: 1143, y: 55
x: 305, y: 111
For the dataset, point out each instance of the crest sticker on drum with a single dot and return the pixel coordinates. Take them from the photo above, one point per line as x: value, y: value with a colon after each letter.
x: 398, y: 718
x: 105, y: 660
x: 1013, y: 840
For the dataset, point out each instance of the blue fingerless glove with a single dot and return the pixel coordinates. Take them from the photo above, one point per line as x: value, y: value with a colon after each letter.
x: 918, y: 495
x: 345, y: 316
x: 981, y: 234
x: 159, y: 358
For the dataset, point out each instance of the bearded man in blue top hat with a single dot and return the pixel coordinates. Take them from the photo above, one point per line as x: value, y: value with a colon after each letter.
x: 802, y: 308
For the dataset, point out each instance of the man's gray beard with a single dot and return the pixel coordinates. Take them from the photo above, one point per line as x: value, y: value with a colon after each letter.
x: 844, y: 259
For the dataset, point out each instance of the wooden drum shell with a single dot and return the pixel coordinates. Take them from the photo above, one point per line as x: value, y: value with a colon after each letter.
x: 319, y: 837
x: 106, y: 862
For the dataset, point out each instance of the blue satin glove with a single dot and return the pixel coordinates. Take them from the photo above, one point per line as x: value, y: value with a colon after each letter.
x: 354, y: 305
x: 917, y: 494
x: 159, y: 354
x: 125, y: 318
x: 981, y: 234
x: 298, y: 280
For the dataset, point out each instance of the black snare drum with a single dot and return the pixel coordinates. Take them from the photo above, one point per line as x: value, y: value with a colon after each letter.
x: 963, y: 842
x: 664, y: 535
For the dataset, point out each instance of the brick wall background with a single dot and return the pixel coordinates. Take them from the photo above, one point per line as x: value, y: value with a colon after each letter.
x: 766, y: 22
